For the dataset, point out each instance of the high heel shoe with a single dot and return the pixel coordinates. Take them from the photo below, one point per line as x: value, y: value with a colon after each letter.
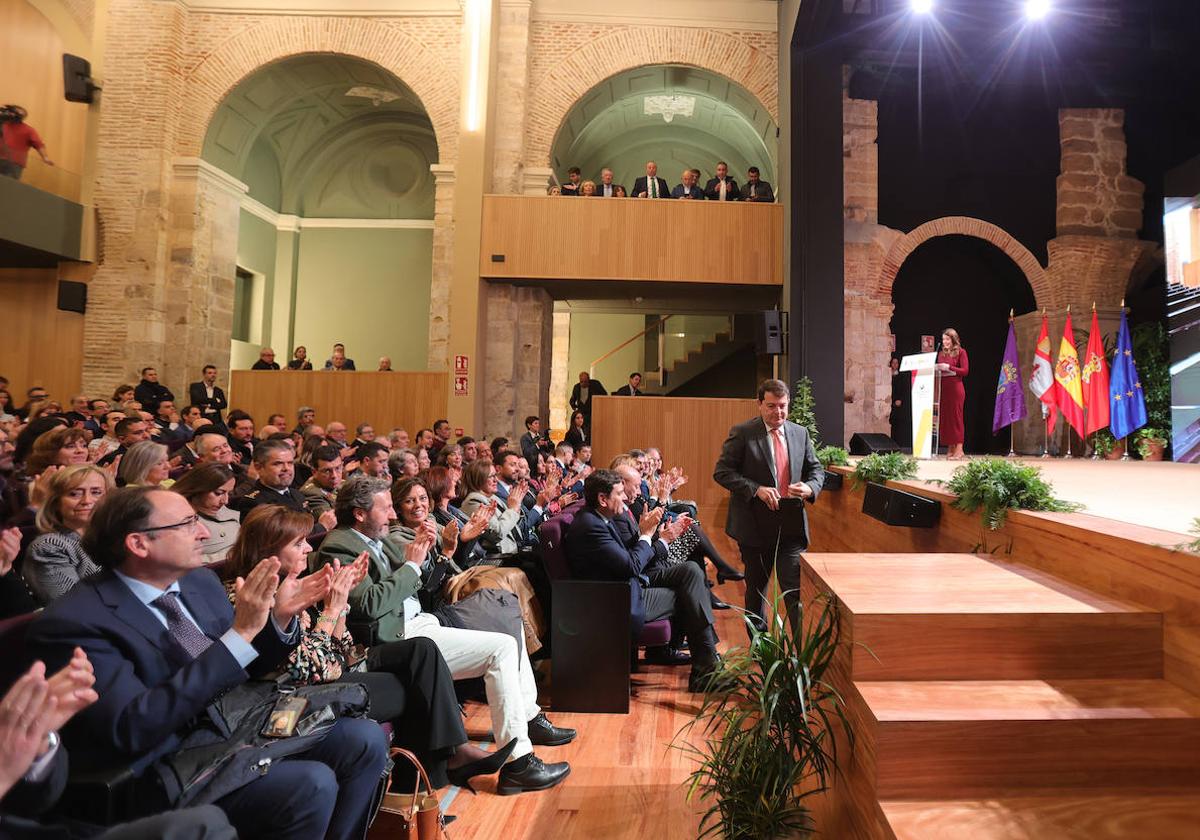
x: 461, y: 776
x: 726, y: 572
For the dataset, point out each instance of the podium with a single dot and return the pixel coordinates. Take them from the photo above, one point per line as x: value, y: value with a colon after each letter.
x: 926, y: 401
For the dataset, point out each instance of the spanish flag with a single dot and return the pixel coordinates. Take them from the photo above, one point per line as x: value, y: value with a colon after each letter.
x: 1068, y: 390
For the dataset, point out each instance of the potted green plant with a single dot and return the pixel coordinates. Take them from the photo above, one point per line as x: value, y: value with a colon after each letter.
x: 881, y: 468
x: 766, y: 741
x: 833, y: 456
x: 995, y: 486
x: 1107, y: 446
x: 803, y: 409
x: 1150, y: 443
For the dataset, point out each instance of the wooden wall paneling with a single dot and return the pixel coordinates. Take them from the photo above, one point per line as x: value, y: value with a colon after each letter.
x: 31, y: 53
x: 42, y: 345
x: 688, y: 430
x: 692, y: 241
x: 411, y: 400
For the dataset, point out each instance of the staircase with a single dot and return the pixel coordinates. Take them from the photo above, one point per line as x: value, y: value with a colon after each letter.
x: 715, y: 349
x: 1183, y: 308
x: 989, y: 701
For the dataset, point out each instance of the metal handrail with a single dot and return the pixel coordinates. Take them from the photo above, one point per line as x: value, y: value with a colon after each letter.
x: 627, y: 342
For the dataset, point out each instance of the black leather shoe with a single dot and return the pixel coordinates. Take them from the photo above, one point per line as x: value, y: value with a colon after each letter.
x: 666, y: 655
x: 543, y: 733
x: 530, y: 773
x: 461, y: 776
x: 730, y: 573
x: 708, y: 680
x: 717, y: 603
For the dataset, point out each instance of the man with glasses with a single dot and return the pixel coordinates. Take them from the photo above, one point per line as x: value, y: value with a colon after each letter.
x: 165, y: 644
x: 320, y: 491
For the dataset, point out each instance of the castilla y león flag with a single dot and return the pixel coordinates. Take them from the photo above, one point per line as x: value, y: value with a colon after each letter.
x: 1095, y: 379
x: 1010, y: 402
x: 1042, y: 380
x: 1068, y: 389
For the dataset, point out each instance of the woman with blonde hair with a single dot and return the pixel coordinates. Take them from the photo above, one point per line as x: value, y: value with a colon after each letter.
x: 952, y: 359
x: 587, y: 188
x: 56, y: 561
x: 146, y: 463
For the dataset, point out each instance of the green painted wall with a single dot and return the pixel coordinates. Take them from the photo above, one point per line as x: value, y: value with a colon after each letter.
x: 593, y: 335
x: 256, y: 253
x: 367, y: 288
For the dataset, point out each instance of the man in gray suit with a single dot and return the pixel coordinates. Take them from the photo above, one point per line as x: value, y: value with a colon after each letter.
x: 770, y: 532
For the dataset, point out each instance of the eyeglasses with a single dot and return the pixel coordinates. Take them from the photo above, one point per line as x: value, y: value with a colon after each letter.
x: 190, y: 522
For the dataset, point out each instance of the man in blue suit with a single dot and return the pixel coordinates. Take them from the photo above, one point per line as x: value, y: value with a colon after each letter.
x: 604, y: 543
x: 165, y: 643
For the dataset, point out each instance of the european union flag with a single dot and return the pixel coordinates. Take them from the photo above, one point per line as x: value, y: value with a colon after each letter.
x: 1127, y: 403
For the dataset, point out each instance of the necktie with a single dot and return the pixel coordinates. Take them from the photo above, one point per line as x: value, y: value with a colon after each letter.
x: 722, y: 198
x: 782, y: 468
x: 182, y: 630
x: 653, y: 187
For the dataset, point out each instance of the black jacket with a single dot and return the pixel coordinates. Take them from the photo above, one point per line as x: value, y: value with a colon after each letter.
x: 150, y: 394
x: 210, y: 409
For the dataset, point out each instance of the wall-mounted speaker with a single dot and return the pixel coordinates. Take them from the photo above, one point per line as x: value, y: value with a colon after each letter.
x: 77, y: 79
x: 768, y: 332
x: 72, y: 296
x: 896, y: 507
x: 869, y: 443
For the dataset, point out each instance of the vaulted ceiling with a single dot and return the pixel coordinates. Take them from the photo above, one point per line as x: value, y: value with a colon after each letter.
x: 327, y: 136
x: 621, y: 123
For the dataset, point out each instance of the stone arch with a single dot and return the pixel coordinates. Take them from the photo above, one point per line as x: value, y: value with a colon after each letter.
x: 567, y: 82
x: 399, y: 53
x: 964, y: 226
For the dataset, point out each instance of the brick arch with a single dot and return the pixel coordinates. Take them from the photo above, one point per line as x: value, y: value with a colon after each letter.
x: 388, y: 46
x: 564, y: 84
x: 964, y: 226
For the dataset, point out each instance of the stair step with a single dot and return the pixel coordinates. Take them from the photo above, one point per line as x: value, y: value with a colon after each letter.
x: 1069, y: 816
x: 970, y: 617
x: 970, y: 737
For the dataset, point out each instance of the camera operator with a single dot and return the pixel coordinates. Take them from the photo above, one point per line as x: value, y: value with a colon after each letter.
x: 16, y: 139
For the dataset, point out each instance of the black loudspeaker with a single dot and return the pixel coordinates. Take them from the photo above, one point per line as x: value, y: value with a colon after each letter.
x: 72, y: 296
x: 77, y: 79
x: 895, y: 507
x: 869, y: 443
x: 768, y: 332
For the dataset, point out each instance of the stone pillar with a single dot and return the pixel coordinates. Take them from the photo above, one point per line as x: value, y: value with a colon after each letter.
x: 561, y: 379
x: 868, y: 310
x: 519, y: 340
x: 535, y: 180
x: 1095, y: 195
x: 512, y: 87
x: 443, y: 266
x: 281, y: 336
x: 203, y: 236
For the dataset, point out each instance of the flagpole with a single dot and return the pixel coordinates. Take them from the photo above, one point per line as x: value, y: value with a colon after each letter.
x: 1046, y: 431
x: 1124, y: 440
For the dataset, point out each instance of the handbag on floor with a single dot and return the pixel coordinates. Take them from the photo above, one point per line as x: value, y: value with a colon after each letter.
x: 404, y: 816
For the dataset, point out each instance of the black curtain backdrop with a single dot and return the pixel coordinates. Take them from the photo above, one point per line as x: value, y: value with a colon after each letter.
x: 970, y: 285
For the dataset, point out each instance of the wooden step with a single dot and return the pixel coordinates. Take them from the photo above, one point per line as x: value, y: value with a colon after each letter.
x: 971, y: 617
x: 1058, y: 817
x: 968, y: 738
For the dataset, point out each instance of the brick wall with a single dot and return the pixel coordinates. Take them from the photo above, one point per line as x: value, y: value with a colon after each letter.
x: 1095, y: 195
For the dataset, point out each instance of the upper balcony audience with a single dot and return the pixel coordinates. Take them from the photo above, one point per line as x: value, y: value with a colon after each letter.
x: 334, y: 363
x: 266, y: 360
x: 722, y: 187
x: 650, y: 185
x: 299, y: 360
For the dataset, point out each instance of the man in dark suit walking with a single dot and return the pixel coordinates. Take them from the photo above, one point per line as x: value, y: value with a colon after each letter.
x: 633, y: 389
x: 650, y: 185
x: 208, y: 396
x: 723, y: 187
x: 764, y: 461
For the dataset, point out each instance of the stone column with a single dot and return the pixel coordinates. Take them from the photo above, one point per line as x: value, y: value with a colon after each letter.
x: 519, y: 340
x: 512, y: 87
x: 535, y: 180
x: 203, y: 237
x: 443, y: 266
x: 561, y: 379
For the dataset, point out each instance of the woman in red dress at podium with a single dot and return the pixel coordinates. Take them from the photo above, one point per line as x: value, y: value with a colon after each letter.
x: 952, y: 359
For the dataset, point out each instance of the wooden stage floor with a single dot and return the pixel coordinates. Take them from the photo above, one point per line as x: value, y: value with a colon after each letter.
x: 1160, y: 495
x: 625, y: 782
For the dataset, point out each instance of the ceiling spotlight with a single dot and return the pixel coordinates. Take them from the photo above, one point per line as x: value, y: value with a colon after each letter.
x: 921, y: 7
x: 1037, y: 9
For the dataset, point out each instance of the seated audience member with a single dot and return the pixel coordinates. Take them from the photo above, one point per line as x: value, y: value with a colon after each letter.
x: 150, y: 392
x: 532, y: 441
x: 146, y: 464
x: 450, y: 455
x: 32, y: 713
x: 583, y: 456
x: 650, y: 185
x: 572, y: 186
x: 722, y: 187
x: 96, y: 411
x: 587, y: 189
x: 470, y: 448
x: 266, y: 360
x: 577, y: 434
x: 386, y: 603
x: 606, y: 188
x: 441, y: 436
x: 56, y: 560
x: 755, y: 189
x: 408, y: 681
x: 278, y: 421
x: 106, y: 441
x: 208, y: 396
x: 499, y: 443
x: 165, y: 644
x: 213, y: 448
x: 59, y: 447
x: 241, y: 435
x: 398, y: 439
x: 424, y: 439
x: 688, y: 189
x: 207, y: 488
x: 336, y: 432
x: 299, y: 360
x: 505, y: 530
x: 31, y: 432
x: 15, y: 597
x: 385, y: 363
x: 275, y: 462
x: 605, y: 543
x: 373, y: 461
x: 122, y: 394
x: 633, y: 388
x: 363, y: 433
x: 130, y: 430
x: 619, y: 192
x: 404, y: 463
x: 6, y: 407
x: 333, y: 363
x: 320, y: 490
x: 168, y: 424
x: 554, y: 189
x: 33, y: 397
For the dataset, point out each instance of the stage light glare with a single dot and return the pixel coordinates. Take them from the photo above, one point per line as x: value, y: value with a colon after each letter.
x: 921, y: 7
x: 1037, y: 9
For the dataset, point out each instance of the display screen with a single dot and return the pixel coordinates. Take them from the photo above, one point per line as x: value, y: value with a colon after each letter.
x: 1181, y: 223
